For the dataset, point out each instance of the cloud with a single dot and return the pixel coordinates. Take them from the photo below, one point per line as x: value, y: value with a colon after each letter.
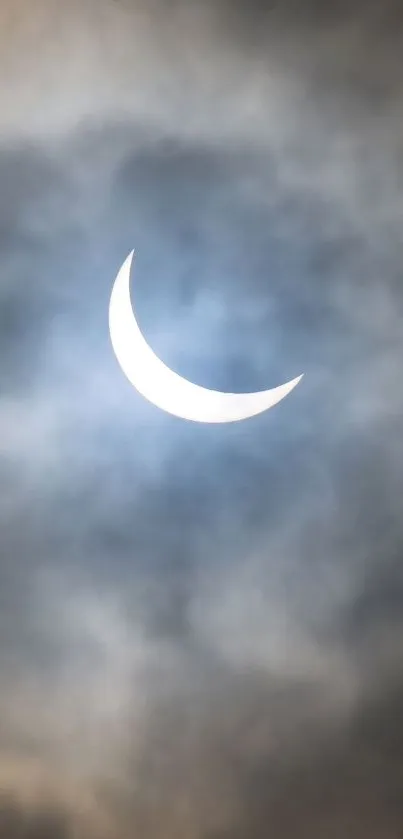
x: 200, y: 626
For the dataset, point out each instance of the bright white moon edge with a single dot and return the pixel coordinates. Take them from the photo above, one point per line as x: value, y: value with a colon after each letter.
x: 162, y: 386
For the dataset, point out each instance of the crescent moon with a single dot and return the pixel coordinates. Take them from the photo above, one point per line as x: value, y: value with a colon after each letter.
x: 166, y: 389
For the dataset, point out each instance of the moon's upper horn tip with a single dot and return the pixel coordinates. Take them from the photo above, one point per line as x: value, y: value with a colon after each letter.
x: 129, y: 258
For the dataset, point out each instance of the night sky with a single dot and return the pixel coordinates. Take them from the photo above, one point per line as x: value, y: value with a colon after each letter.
x: 201, y: 626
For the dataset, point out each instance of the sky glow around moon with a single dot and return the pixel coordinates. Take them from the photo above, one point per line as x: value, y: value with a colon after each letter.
x: 161, y: 385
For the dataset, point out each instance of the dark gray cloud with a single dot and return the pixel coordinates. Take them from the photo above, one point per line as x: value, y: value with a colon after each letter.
x: 201, y: 626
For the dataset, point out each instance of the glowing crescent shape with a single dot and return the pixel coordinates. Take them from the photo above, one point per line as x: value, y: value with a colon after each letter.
x: 166, y: 389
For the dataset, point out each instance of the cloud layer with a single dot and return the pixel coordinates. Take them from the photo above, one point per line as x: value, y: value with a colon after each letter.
x: 201, y: 625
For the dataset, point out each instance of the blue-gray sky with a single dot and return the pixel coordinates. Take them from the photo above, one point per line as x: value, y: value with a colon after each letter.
x: 200, y: 626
